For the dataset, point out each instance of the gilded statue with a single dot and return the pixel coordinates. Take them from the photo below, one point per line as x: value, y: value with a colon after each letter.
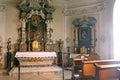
x: 35, y: 45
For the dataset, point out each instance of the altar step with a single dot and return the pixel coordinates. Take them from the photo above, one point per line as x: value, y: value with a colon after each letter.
x: 35, y: 70
x: 42, y: 73
x: 52, y: 77
x: 3, y: 72
x: 37, y: 77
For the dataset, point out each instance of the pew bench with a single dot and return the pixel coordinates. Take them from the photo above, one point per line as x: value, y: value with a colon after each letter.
x: 107, y: 70
x: 89, y: 68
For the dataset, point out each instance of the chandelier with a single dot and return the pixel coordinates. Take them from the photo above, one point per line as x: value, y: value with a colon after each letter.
x: 40, y: 7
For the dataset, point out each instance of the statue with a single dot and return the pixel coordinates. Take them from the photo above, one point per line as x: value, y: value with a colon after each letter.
x: 1, y: 46
x: 9, y: 45
x: 35, y: 45
x: 0, y: 52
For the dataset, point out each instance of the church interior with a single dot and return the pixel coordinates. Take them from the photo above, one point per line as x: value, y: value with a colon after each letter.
x: 57, y: 40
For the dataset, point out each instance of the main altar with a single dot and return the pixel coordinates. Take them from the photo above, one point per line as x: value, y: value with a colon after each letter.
x: 35, y: 63
x: 35, y: 51
x: 35, y: 31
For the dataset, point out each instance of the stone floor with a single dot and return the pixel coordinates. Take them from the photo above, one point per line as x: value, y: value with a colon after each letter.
x: 56, y: 76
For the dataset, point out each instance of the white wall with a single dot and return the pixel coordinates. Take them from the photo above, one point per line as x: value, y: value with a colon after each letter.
x: 12, y: 21
x: 2, y: 30
x: 8, y: 25
x: 58, y: 25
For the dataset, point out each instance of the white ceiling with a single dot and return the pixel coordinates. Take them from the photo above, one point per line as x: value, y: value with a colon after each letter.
x: 61, y: 2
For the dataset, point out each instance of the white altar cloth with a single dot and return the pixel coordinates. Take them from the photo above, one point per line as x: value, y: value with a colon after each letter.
x: 35, y: 54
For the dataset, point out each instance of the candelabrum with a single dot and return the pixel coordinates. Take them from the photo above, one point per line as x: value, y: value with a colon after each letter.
x: 68, y: 56
x: 60, y: 45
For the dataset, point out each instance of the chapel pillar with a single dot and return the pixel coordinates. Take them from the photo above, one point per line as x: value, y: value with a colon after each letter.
x: 67, y: 29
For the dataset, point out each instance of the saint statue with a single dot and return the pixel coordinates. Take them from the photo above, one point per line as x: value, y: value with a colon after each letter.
x: 0, y: 46
x: 9, y: 45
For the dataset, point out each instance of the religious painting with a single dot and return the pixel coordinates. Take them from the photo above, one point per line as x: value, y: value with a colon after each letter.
x: 36, y: 29
x: 84, y: 34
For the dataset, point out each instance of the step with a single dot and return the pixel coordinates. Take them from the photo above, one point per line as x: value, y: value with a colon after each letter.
x: 3, y: 72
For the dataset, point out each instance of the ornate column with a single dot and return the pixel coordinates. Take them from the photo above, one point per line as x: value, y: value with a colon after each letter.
x: 67, y: 28
x: 23, y: 34
x: 75, y: 39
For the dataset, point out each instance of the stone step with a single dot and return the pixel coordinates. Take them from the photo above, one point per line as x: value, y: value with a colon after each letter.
x: 3, y: 72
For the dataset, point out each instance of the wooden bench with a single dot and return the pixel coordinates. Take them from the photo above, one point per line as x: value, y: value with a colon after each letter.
x: 90, y: 68
x: 107, y: 70
x: 77, y: 64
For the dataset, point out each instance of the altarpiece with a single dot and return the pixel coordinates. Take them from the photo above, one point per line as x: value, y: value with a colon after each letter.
x: 85, y: 34
x: 35, y: 17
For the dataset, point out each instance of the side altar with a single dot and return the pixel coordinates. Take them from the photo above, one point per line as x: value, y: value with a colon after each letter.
x: 37, y: 63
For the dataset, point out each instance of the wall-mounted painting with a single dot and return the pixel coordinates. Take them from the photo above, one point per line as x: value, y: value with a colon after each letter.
x: 84, y: 33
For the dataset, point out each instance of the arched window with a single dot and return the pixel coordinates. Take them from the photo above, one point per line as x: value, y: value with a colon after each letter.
x: 116, y: 29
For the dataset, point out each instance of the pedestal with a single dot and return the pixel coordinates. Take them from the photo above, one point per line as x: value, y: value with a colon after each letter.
x: 68, y: 56
x: 59, y: 58
x: 8, y: 61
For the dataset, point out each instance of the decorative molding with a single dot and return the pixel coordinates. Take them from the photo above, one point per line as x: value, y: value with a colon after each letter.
x: 103, y: 39
x: 94, y: 8
x: 2, y: 7
x: 80, y: 3
x: 67, y: 13
x: 100, y: 7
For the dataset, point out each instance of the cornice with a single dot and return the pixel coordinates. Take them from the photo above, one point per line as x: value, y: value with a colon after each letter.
x: 83, y: 4
x: 85, y: 9
x: 9, y: 1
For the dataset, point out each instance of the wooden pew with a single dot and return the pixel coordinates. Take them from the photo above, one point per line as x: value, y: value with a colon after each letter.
x: 89, y: 69
x: 77, y: 64
x: 107, y: 70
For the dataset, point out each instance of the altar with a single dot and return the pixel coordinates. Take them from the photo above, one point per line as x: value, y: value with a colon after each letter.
x: 36, y: 51
x: 35, y: 63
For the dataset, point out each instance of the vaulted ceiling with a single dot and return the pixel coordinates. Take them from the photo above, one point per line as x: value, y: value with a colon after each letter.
x: 66, y: 4
x: 63, y: 2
